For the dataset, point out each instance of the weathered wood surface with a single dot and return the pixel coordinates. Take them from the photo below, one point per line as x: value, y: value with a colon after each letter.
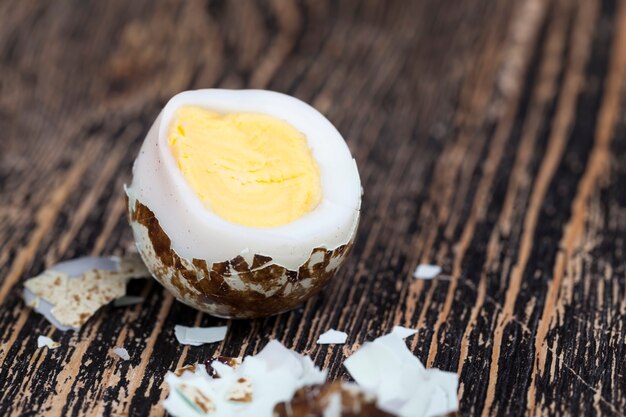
x: 490, y: 137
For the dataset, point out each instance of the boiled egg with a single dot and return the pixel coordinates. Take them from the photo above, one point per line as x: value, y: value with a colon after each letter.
x: 243, y: 203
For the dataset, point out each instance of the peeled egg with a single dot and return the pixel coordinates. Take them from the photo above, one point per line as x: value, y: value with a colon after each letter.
x: 243, y: 242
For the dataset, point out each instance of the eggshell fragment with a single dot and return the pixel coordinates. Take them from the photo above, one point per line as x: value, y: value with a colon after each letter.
x: 332, y: 337
x: 121, y: 353
x: 69, y: 293
x: 196, y: 336
x: 46, y: 341
x: 402, y: 385
x: 425, y: 271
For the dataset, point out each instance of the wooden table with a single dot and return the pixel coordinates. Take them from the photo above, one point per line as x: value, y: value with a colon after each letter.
x: 490, y: 137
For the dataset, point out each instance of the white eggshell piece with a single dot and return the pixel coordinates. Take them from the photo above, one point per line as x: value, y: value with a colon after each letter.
x: 196, y: 336
x: 403, y: 387
x: 121, y: 353
x: 425, y: 271
x: 332, y: 337
x: 46, y: 341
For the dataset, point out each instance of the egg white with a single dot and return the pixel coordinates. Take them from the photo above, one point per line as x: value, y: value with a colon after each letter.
x: 196, y: 232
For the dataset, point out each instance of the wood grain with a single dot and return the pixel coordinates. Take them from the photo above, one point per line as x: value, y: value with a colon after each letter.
x: 489, y: 137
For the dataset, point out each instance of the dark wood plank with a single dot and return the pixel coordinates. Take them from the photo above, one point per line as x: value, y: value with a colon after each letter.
x: 490, y: 140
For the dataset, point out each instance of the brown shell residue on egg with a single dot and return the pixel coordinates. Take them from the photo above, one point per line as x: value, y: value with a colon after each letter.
x: 226, y: 360
x: 314, y: 400
x: 234, y: 288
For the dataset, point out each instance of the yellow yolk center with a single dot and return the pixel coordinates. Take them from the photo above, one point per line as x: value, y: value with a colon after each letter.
x: 248, y: 168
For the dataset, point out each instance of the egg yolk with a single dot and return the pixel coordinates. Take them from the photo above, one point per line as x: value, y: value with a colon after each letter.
x: 248, y: 168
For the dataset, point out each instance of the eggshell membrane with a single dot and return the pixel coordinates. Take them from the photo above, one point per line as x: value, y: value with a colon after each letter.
x: 230, y: 270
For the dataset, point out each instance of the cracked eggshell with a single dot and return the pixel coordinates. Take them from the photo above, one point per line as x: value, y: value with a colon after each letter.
x: 69, y: 293
x: 230, y: 270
